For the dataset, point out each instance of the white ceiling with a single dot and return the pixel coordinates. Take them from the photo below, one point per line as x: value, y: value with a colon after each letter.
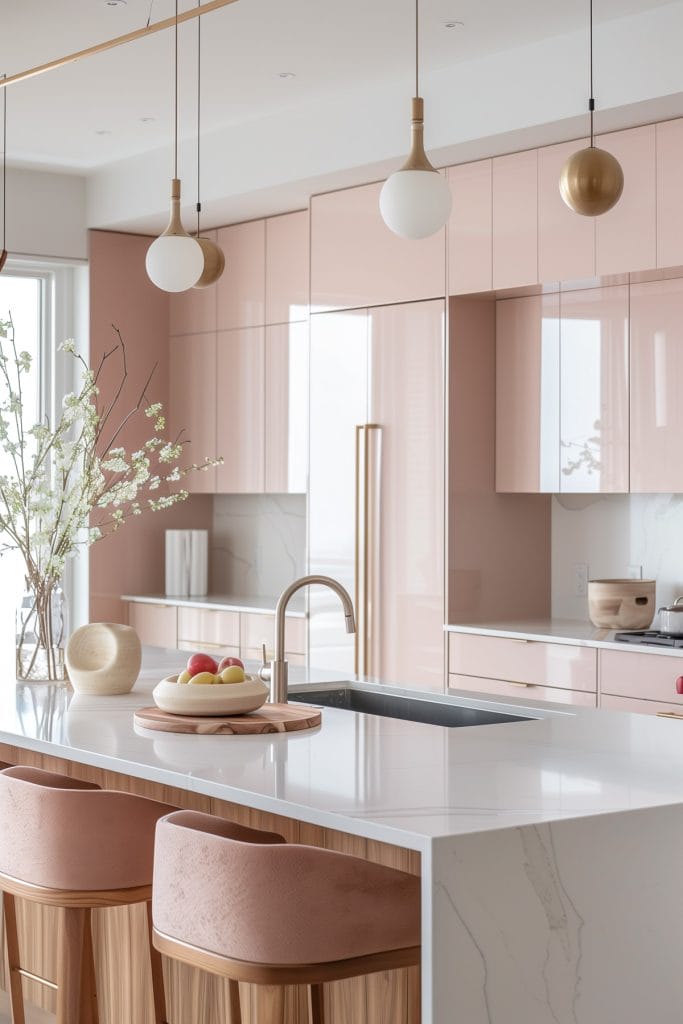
x: 54, y: 120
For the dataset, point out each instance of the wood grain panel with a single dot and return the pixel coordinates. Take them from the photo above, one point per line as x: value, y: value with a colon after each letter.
x: 120, y: 934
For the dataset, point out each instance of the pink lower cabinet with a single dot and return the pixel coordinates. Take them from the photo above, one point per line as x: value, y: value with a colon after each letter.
x: 286, y: 408
x: 208, y: 629
x: 626, y: 236
x: 527, y: 394
x: 640, y: 677
x: 470, y: 238
x: 656, y: 386
x: 257, y: 629
x: 594, y: 390
x: 566, y: 241
x: 641, y: 707
x: 240, y: 411
x: 527, y: 691
x: 192, y: 404
x: 525, y: 662
x: 155, y: 624
x: 515, y: 219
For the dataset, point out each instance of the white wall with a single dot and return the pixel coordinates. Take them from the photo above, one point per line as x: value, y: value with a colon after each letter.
x: 46, y: 214
x: 611, y: 533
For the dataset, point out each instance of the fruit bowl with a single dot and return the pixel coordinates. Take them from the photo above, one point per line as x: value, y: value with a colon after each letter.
x: 209, y: 699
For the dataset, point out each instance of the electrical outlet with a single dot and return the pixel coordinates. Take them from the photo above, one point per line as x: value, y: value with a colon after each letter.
x: 580, y: 579
x: 635, y: 572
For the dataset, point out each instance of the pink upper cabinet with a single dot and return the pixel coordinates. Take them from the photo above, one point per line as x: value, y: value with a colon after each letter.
x: 566, y: 241
x: 286, y: 411
x: 594, y: 399
x: 626, y: 236
x: 470, y: 229
x: 192, y: 404
x: 357, y: 261
x: 287, y: 268
x: 240, y: 414
x: 527, y: 394
x: 241, y: 291
x: 194, y: 311
x: 515, y: 220
x: 669, y: 201
x: 656, y: 386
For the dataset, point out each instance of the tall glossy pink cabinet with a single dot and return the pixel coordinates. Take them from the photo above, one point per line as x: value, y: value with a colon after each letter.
x: 515, y: 219
x: 470, y: 228
x: 566, y: 241
x: 376, y: 488
x: 656, y: 386
x: 626, y: 236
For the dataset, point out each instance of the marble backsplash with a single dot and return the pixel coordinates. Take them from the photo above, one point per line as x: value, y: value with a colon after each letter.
x: 611, y: 533
x: 258, y: 543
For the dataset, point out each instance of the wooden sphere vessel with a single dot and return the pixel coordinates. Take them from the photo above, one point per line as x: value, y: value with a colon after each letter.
x: 214, y: 263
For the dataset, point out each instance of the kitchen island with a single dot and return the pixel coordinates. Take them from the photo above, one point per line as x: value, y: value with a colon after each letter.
x: 549, y: 848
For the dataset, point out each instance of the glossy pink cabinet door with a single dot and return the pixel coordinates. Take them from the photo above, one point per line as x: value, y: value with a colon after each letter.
x: 594, y: 393
x: 287, y: 268
x: 515, y: 220
x: 566, y: 241
x: 194, y: 311
x: 626, y: 236
x: 356, y: 261
x: 669, y: 135
x: 286, y: 410
x: 192, y: 404
x: 470, y: 238
x: 527, y: 394
x: 531, y: 663
x: 241, y: 291
x: 405, y: 499
x: 644, y: 676
x: 657, y: 386
x: 240, y: 413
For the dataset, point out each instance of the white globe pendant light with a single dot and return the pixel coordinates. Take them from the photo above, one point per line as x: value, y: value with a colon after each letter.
x: 175, y: 260
x: 415, y: 201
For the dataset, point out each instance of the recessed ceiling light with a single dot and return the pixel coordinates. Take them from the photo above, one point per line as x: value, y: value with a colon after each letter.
x: 103, y: 131
x: 454, y: 24
x: 115, y: 3
x: 147, y: 120
x: 286, y: 74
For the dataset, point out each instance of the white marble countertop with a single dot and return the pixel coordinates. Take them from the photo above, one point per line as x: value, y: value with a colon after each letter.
x: 225, y: 602
x: 559, y: 631
x: 397, y: 781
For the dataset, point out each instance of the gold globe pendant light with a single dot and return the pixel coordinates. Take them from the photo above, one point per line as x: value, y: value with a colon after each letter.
x: 3, y: 252
x: 415, y: 201
x: 214, y: 258
x: 591, y: 180
x: 175, y: 261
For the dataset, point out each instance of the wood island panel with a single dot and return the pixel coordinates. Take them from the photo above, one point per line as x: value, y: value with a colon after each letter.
x: 120, y: 936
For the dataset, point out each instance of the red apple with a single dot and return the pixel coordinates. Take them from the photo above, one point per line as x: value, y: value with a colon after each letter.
x: 227, y: 662
x: 201, y: 663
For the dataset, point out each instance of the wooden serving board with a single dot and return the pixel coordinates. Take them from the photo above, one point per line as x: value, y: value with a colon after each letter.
x: 269, y: 718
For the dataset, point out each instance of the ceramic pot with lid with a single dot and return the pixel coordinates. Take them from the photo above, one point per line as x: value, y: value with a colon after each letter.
x: 671, y: 618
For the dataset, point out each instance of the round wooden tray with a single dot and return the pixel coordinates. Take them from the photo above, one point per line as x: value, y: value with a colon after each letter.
x: 269, y: 718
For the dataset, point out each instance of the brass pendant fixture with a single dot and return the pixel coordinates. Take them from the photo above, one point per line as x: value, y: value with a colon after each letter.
x: 3, y: 253
x: 214, y: 258
x: 591, y: 180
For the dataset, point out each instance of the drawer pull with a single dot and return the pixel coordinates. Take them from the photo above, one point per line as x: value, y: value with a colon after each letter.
x: 519, y: 640
x: 514, y: 682
x: 669, y: 714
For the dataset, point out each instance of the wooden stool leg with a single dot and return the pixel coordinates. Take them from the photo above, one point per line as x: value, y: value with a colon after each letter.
x: 16, y: 996
x: 316, y: 1004
x: 89, y: 1011
x: 70, y: 965
x: 158, y: 992
x: 234, y: 999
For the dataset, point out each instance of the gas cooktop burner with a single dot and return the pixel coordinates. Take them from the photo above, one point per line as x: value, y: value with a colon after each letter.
x: 652, y: 637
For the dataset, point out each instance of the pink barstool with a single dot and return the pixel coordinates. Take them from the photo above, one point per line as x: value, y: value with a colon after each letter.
x: 257, y: 910
x: 72, y: 845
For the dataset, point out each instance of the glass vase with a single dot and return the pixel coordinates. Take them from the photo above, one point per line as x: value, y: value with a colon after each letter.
x: 41, y: 635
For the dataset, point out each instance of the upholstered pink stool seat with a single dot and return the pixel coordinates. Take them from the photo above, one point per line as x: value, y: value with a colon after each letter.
x: 255, y: 909
x: 71, y: 845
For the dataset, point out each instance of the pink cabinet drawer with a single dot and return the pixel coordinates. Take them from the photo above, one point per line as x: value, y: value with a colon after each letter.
x: 644, y: 676
x: 641, y: 707
x: 209, y: 626
x: 523, y: 661
x: 583, y: 698
x: 257, y: 629
x: 155, y: 624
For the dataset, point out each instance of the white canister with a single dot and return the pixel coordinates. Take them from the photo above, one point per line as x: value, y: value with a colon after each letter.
x: 187, y: 563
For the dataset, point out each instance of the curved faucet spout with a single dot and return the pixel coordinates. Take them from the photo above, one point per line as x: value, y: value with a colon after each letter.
x: 276, y: 673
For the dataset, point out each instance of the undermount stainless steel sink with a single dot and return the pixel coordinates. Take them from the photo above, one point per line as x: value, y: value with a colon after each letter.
x: 412, y: 709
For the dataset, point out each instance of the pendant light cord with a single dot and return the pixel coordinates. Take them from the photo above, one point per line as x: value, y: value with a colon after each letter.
x: 417, y: 48
x: 591, y: 99
x: 199, y: 114
x: 175, y: 128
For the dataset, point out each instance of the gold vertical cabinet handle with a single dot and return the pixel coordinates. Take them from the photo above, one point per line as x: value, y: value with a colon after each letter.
x: 356, y: 554
x: 669, y: 714
x: 520, y: 640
